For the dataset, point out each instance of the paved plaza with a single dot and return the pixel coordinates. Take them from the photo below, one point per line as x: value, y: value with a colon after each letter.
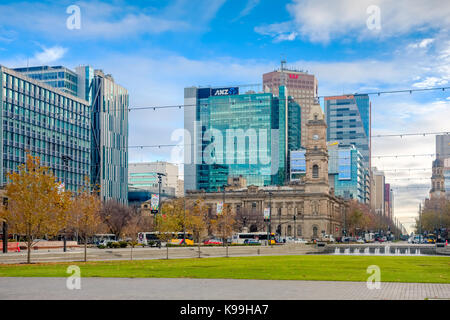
x: 211, y: 289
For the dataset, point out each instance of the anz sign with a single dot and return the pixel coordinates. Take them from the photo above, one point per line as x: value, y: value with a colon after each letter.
x: 225, y: 91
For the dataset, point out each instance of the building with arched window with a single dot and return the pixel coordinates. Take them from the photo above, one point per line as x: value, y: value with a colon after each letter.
x: 305, y: 208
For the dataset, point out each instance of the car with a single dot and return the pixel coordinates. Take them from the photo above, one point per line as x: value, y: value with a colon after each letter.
x: 213, y: 241
x: 328, y: 238
x: 251, y: 241
x: 360, y: 240
x: 300, y: 241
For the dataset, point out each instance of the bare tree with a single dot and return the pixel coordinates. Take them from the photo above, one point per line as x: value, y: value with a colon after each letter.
x: 132, y: 229
x: 116, y: 216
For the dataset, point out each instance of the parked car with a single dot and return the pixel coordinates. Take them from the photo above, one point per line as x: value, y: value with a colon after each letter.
x: 213, y: 241
x: 300, y: 241
x: 360, y: 240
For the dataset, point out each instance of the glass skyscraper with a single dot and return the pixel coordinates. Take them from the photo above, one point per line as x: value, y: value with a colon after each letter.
x: 47, y: 122
x: 234, y: 135
x: 348, y: 119
x: 109, y: 155
x: 347, y: 173
x: 108, y: 103
x: 58, y: 77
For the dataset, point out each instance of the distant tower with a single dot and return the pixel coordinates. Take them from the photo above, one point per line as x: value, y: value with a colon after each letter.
x: 437, y: 180
x: 316, y: 156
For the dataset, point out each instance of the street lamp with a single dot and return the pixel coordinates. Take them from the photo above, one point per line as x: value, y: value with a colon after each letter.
x: 65, y: 159
x: 270, y: 218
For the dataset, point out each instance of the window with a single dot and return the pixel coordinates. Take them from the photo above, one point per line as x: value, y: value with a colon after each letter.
x: 315, y: 173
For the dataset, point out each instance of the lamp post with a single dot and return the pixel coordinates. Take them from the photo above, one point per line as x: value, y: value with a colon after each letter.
x: 65, y: 159
x: 5, y: 237
x: 270, y: 218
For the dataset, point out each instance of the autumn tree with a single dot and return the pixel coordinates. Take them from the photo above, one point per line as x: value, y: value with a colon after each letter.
x: 170, y: 221
x: 85, y: 217
x: 225, y: 224
x: 116, y: 216
x: 37, y: 206
x: 435, y: 215
x: 132, y: 229
x: 197, y: 219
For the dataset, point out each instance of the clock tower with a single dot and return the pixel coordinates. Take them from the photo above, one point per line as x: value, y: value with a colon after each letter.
x: 316, y: 156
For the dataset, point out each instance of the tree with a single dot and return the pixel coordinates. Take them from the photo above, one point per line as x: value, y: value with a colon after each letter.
x: 116, y: 216
x: 197, y: 221
x: 435, y: 215
x: 359, y: 217
x: 37, y: 206
x: 225, y: 223
x: 132, y: 229
x: 170, y: 221
x: 85, y: 215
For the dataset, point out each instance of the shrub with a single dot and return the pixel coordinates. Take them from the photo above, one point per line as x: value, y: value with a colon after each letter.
x: 123, y: 244
x: 101, y: 246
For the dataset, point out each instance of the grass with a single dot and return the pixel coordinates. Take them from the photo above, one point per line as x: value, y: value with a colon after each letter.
x: 315, y: 267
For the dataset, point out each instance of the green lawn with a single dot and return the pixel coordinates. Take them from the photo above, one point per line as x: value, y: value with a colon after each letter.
x: 314, y: 267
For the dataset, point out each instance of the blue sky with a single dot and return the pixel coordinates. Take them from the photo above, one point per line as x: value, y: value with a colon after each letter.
x: 156, y: 48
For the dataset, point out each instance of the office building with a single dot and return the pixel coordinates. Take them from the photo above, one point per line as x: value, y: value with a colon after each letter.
x: 388, y: 201
x: 109, y: 154
x: 377, y: 192
x: 144, y: 176
x: 443, y: 146
x: 234, y: 134
x: 109, y: 104
x: 59, y: 77
x: 349, y: 122
x: 302, y: 87
x: 347, y: 173
x: 304, y: 209
x: 47, y: 122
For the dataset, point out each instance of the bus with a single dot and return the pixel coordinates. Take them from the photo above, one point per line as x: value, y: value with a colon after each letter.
x: 148, y: 238
x: 152, y: 238
x: 104, y: 238
x: 240, y: 238
x: 178, y: 239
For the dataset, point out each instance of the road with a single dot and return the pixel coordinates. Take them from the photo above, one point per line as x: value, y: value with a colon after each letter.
x: 95, y: 254
x: 211, y: 289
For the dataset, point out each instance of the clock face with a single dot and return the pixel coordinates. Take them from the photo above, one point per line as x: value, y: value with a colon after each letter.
x: 316, y: 137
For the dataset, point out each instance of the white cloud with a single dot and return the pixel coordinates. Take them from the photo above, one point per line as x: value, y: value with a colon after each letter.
x: 322, y: 21
x: 106, y: 20
x: 251, y: 4
x: 49, y: 55
x: 422, y: 44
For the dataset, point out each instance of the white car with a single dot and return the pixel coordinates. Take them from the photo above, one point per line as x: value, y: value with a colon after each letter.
x: 328, y: 238
x: 300, y: 241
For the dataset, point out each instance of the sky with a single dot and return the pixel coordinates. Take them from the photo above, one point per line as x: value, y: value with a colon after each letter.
x: 155, y: 48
